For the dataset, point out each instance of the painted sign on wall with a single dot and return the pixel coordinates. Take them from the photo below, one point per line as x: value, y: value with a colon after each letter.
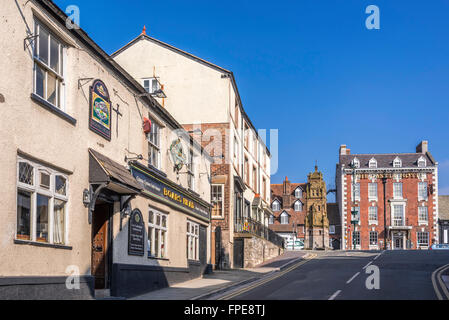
x: 100, y: 110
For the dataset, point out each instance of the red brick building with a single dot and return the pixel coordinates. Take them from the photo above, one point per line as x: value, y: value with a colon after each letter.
x: 406, y: 217
x: 289, y: 209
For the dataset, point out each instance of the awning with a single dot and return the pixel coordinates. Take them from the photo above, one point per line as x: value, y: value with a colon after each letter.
x: 118, y: 179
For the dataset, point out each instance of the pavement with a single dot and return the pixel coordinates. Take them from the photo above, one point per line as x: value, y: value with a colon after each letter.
x: 221, y: 281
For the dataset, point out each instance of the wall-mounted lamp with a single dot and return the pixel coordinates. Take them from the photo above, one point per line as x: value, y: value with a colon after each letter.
x: 86, y: 197
x: 139, y: 157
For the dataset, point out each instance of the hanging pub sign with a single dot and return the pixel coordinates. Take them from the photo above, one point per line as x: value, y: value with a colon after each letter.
x: 136, y: 232
x: 178, y: 155
x: 100, y: 110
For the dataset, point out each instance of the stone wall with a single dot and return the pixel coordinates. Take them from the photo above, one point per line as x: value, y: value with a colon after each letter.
x: 258, y: 250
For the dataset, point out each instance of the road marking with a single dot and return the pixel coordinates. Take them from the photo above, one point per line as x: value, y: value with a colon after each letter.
x: 378, y: 256
x: 263, y: 281
x: 367, y: 265
x: 437, y: 275
x: 353, y: 277
x: 335, y: 295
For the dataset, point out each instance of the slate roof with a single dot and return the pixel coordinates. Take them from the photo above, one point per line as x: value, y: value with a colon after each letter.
x: 409, y: 160
x: 115, y: 171
x: 443, y: 207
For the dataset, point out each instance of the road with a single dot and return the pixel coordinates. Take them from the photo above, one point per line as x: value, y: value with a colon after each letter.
x: 403, y: 275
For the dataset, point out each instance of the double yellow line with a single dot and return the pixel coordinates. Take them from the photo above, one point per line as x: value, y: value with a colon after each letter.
x: 436, y: 275
x: 307, y: 258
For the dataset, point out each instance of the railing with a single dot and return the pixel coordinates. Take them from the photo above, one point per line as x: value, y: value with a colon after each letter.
x: 248, y: 225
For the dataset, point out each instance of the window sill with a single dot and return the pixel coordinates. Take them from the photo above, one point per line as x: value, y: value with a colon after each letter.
x: 53, y: 109
x: 42, y: 244
x: 217, y: 218
x: 162, y: 259
x: 373, y: 223
x: 422, y: 223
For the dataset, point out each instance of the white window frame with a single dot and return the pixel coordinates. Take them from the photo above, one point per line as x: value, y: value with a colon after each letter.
x: 284, y: 215
x: 156, y: 231
x: 419, y: 238
x: 331, y: 229
x: 372, y: 191
x: 358, y: 243
x: 394, y: 217
x: 298, y: 206
x: 151, y: 81
x: 372, y: 163
x: 371, y: 215
x: 298, y: 193
x: 271, y: 219
x: 397, y: 186
x: 51, y: 193
x: 397, y: 163
x: 422, y: 162
x: 192, y: 239
x: 356, y: 191
x: 422, y: 191
x: 45, y: 67
x: 154, y: 144
x: 276, y: 206
x: 423, y: 215
x: 356, y: 163
x: 216, y: 201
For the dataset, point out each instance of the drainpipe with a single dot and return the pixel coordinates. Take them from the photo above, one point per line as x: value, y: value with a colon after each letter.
x: 384, y: 182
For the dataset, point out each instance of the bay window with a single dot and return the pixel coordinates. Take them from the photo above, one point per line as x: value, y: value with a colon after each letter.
x: 42, y: 196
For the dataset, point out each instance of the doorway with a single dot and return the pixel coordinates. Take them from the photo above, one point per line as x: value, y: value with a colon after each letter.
x: 398, y: 242
x: 101, y: 260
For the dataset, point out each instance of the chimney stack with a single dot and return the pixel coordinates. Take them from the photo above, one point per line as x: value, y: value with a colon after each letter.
x: 343, y: 150
x: 423, y: 147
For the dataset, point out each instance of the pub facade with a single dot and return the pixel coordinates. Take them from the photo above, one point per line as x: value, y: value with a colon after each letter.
x: 104, y: 192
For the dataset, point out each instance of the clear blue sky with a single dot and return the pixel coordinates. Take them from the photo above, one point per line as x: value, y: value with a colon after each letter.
x: 311, y: 69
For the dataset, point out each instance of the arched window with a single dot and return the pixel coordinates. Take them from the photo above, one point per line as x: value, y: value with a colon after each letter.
x: 284, y: 218
x: 298, y: 193
x: 276, y: 206
x: 298, y: 206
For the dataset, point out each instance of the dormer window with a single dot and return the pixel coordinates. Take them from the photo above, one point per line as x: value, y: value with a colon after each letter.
x: 422, y: 162
x: 284, y: 218
x: 298, y: 206
x: 298, y: 193
x: 276, y: 206
x: 397, y: 163
x: 355, y: 163
x: 373, y: 163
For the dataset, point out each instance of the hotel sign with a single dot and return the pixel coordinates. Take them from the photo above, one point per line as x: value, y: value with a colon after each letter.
x: 159, y: 188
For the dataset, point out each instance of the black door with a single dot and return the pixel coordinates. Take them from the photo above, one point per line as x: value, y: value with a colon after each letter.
x: 238, y: 253
x: 217, y: 247
x: 203, y: 246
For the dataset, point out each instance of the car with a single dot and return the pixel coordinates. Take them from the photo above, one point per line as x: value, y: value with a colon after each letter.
x: 439, y: 247
x: 294, y: 245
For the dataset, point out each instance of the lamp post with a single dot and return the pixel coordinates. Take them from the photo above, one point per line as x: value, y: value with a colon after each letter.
x: 354, y: 212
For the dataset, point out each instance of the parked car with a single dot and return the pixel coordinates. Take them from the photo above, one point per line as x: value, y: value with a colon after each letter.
x: 439, y: 247
x: 294, y: 245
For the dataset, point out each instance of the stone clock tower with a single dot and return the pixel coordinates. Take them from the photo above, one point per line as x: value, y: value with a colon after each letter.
x: 316, y: 224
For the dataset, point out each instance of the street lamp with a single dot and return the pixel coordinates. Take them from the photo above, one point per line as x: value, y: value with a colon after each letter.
x: 354, y: 222
x: 354, y: 212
